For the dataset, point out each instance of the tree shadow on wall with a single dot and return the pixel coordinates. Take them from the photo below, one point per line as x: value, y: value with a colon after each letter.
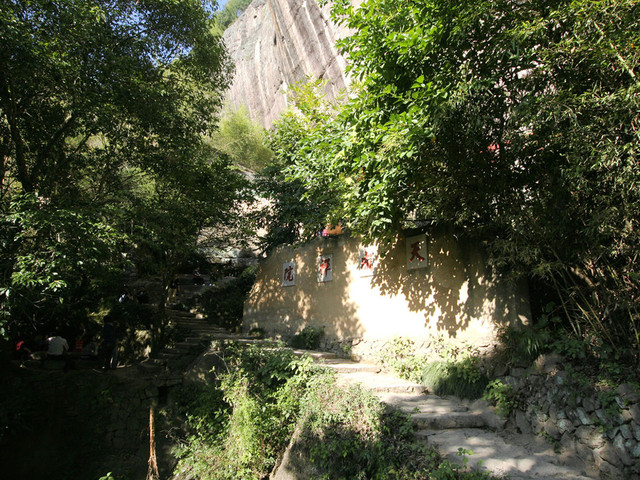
x: 287, y: 310
x: 455, y: 287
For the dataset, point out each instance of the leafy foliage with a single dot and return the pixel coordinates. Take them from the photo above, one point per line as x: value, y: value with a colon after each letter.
x: 242, y: 139
x: 309, y: 337
x: 348, y: 433
x: 462, y: 378
x: 224, y: 304
x: 399, y: 356
x: 516, y: 123
x: 241, y: 426
x: 502, y: 396
x: 524, y: 345
x: 57, y: 261
x: 231, y: 11
x: 103, y: 108
x: 458, y: 372
x: 291, y: 215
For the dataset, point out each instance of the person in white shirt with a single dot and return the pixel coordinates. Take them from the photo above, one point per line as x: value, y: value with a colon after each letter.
x: 58, y: 347
x: 59, y: 350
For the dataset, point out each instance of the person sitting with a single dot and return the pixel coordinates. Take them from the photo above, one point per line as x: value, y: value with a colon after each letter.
x: 89, y: 351
x: 125, y: 295
x: 58, y: 350
x: 22, y: 351
x: 58, y: 347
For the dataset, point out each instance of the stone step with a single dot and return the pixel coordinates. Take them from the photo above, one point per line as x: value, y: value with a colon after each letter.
x: 178, y: 313
x: 168, y: 355
x: 347, y: 366
x: 152, y: 365
x: 200, y: 326
x: 448, y: 420
x: 193, y: 340
x: 422, y: 403
x: 193, y: 322
x: 256, y: 341
x: 203, y: 330
x: 186, y: 349
x: 486, y: 451
x: 315, y: 354
x: 380, y: 383
x: 168, y: 380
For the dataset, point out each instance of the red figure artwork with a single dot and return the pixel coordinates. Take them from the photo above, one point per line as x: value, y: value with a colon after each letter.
x: 415, y: 252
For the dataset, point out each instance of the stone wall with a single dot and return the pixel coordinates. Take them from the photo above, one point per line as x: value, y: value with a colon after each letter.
x: 82, y: 424
x: 275, y: 44
x: 599, y: 424
x: 452, y: 295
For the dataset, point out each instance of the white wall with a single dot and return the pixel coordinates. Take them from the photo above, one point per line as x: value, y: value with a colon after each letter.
x: 455, y: 296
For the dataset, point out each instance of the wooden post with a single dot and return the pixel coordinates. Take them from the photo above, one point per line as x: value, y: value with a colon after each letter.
x: 152, y: 473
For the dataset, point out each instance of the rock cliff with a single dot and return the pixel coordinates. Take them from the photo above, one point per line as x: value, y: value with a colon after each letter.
x: 276, y: 43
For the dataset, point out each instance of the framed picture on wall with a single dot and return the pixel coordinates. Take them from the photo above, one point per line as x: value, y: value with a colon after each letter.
x: 288, y: 274
x: 417, y: 254
x: 368, y: 261
x: 325, y: 268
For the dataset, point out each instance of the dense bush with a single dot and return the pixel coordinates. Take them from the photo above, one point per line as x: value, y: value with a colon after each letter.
x: 240, y: 426
x: 347, y: 433
x: 309, y: 338
x: 456, y: 372
x: 461, y: 378
x: 224, y: 304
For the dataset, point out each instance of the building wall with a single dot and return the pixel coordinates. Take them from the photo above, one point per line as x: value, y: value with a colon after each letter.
x: 453, y: 294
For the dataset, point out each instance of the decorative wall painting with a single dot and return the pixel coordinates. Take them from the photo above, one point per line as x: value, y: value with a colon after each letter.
x: 368, y: 261
x: 325, y: 268
x: 288, y: 274
x: 416, y: 248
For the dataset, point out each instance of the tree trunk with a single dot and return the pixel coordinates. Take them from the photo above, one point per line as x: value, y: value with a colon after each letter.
x: 152, y: 473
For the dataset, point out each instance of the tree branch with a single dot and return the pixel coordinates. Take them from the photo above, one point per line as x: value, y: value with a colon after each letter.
x: 9, y: 107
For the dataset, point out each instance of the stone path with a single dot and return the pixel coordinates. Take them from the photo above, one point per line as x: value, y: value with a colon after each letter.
x: 447, y: 423
x: 451, y: 424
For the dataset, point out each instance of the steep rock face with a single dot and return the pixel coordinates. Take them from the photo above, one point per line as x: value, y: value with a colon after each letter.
x: 276, y: 43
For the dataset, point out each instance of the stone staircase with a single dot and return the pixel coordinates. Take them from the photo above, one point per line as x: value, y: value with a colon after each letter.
x: 198, y: 337
x: 467, y: 433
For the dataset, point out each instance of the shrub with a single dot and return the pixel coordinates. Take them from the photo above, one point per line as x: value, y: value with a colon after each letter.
x: 502, y: 396
x: 525, y: 344
x: 400, y: 357
x: 239, y: 427
x: 462, y: 378
x: 224, y: 304
x: 309, y: 338
x: 347, y: 433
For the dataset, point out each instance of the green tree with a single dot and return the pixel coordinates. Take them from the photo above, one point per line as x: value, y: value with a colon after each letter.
x: 169, y: 216
x: 100, y: 101
x: 516, y: 123
x: 242, y: 139
x: 231, y: 11
x: 289, y: 215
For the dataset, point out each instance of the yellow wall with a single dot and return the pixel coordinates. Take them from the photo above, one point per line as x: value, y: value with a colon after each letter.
x: 455, y: 295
